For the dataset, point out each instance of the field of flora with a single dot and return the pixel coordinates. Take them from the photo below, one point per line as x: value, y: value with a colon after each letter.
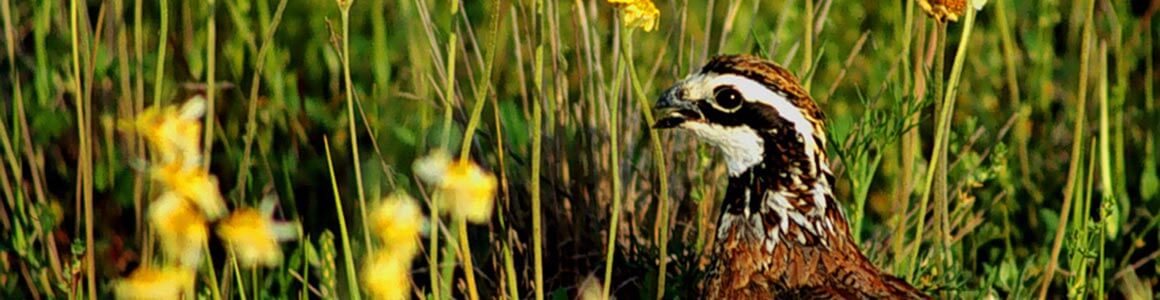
x: 502, y: 149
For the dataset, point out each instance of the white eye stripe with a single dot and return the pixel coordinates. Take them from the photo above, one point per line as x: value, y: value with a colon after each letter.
x: 754, y: 91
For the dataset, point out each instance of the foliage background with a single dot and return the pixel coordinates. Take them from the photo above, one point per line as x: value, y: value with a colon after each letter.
x: 1014, y: 152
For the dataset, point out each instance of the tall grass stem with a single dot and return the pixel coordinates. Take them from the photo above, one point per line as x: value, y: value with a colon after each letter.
x: 1076, y: 149
x: 614, y: 132
x: 348, y: 251
x: 942, y: 132
x: 211, y: 85
x: 350, y: 104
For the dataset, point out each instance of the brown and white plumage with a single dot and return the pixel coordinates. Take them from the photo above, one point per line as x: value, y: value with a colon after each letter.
x: 781, y: 234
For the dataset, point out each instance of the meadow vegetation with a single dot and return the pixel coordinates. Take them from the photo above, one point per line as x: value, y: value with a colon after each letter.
x: 445, y: 149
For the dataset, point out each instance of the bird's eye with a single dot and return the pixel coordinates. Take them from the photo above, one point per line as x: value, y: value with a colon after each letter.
x: 727, y: 98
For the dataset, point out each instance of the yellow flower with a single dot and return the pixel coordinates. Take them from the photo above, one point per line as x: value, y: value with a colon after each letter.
x: 387, y: 277
x: 146, y: 283
x: 180, y: 227
x: 463, y: 189
x: 397, y: 221
x: 467, y: 191
x: 252, y: 235
x: 641, y: 14
x: 174, y: 135
x: 942, y: 10
x: 194, y: 184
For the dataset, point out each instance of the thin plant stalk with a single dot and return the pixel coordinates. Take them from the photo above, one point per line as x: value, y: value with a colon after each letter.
x: 84, y: 155
x: 347, y: 254
x: 808, y: 61
x: 939, y: 83
x: 1105, y: 147
x: 537, y: 155
x: 162, y: 39
x: 465, y: 151
x: 211, y: 86
x: 468, y: 266
x: 662, y: 222
x: 449, y: 96
x: 1076, y: 148
x: 252, y: 110
x: 214, y: 291
x: 449, y: 90
x: 350, y: 98
x: 238, y: 275
x: 10, y: 153
x: 483, y: 90
x: 433, y: 250
x: 910, y: 141
x: 941, y: 134
x: 139, y: 182
x: 508, y: 258
x: 614, y: 131
x: 1107, y: 201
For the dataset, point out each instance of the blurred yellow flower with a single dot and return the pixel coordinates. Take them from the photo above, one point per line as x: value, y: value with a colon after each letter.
x: 180, y: 228
x: 641, y: 14
x: 398, y: 221
x: 252, y: 235
x: 467, y: 191
x: 194, y: 184
x: 147, y: 284
x: 463, y: 189
x: 174, y: 135
x: 387, y: 277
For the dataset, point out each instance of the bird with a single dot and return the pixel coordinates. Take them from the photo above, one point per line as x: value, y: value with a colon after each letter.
x: 780, y: 233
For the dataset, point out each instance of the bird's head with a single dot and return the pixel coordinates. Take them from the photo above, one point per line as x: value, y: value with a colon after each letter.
x: 749, y: 108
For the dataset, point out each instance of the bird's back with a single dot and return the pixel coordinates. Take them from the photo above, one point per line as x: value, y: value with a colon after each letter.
x: 742, y: 270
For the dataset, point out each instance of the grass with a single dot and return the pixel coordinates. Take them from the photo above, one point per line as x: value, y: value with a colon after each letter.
x: 952, y: 177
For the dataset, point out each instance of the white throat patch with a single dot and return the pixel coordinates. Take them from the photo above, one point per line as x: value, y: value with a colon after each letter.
x: 740, y: 145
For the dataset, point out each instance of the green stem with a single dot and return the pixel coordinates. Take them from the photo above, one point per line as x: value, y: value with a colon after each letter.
x: 662, y: 172
x: 909, y: 143
x: 449, y: 90
x: 807, y: 63
x: 347, y: 255
x: 1076, y: 149
x: 211, y: 85
x: 433, y: 249
x: 468, y: 266
x: 162, y: 39
x: 84, y: 157
x: 476, y: 112
x: 614, y: 131
x: 861, y: 192
x: 537, y: 156
x: 941, y: 135
x: 238, y: 277
x: 350, y: 99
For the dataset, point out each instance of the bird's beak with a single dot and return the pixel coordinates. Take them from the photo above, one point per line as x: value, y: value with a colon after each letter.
x: 673, y: 110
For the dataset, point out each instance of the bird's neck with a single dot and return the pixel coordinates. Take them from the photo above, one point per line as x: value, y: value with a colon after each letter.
x: 785, y: 198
